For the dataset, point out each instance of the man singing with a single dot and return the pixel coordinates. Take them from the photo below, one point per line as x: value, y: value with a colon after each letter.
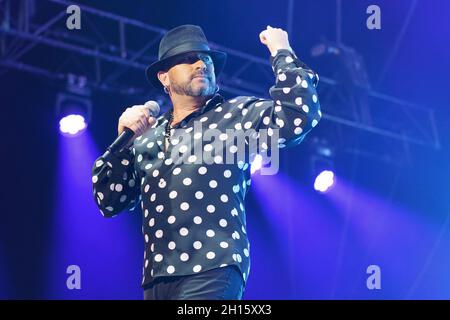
x: 193, y: 212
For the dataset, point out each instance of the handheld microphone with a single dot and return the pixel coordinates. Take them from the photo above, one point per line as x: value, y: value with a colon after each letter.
x: 127, y: 134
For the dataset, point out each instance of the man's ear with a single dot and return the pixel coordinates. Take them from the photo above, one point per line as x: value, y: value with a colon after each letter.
x: 163, y: 78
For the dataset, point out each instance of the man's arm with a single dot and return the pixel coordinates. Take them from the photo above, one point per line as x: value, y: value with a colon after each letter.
x: 115, y: 183
x: 294, y: 108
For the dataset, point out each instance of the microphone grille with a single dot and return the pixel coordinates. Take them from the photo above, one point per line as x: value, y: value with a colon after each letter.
x: 153, y: 107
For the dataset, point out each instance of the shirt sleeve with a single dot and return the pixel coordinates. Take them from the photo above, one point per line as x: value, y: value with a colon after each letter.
x: 294, y: 108
x: 115, y: 184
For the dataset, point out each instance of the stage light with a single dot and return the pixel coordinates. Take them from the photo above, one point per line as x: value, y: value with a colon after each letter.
x: 324, y: 181
x: 72, y: 124
x: 322, y: 165
x: 73, y: 107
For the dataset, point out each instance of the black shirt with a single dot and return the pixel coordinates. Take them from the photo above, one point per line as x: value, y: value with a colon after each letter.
x: 193, y: 212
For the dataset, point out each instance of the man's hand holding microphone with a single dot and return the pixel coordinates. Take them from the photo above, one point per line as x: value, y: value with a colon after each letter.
x: 133, y: 122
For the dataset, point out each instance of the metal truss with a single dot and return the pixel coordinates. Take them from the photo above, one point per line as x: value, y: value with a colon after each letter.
x: 110, y: 52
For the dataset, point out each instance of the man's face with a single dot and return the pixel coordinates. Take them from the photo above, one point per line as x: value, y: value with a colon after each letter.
x: 193, y: 75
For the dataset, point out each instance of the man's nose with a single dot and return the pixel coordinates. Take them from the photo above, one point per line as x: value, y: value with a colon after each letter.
x: 200, y: 64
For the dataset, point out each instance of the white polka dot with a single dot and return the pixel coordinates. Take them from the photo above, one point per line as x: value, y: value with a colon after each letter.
x: 151, y: 223
x: 197, y: 220
x: 239, y: 258
x: 155, y: 173
x: 297, y: 121
x: 159, y: 208
x: 210, y: 255
x: 94, y: 179
x: 146, y: 263
x: 235, y: 235
x: 176, y: 171
x: 125, y: 162
x: 223, y: 223
x: 187, y: 181
x: 210, y: 233
x: 100, y: 195
x: 298, y: 101
x: 238, y: 126
x: 147, y: 187
x: 236, y: 188
x: 203, y: 119
x: 286, y: 90
x: 280, y: 122
x: 248, y: 125
x: 233, y: 149
x: 213, y: 126
x: 172, y: 194
x: 199, y: 195
x: 218, y: 159
x: 111, y: 186
x: 188, y: 130
x: 146, y: 238
x: 227, y: 173
x: 218, y: 109
x: 139, y: 158
x: 171, y: 219
x: 148, y: 166
x: 289, y: 59
x: 192, y: 158
x: 314, y: 123
x: 168, y: 162
x: 213, y: 184
x: 152, y: 247
x: 278, y: 108
x: 197, y: 268
x: 305, y: 108
x: 162, y: 183
x: 197, y: 245
x: 227, y: 115
x: 282, y: 77
x: 184, y: 232
x: 150, y: 145
x: 298, y: 130
x: 184, y: 206
x: 246, y: 252
x: 314, y: 98
x: 159, y: 257
x: 197, y: 135
x: 224, y: 198
x: 208, y: 147
x: 160, y: 155
x: 153, y: 198
x: 266, y: 120
x: 170, y: 269
x: 223, y: 136
x: 211, y: 208
x: 234, y: 212
x: 224, y: 244
x: 202, y: 170
x: 159, y: 233
x: 171, y: 245
x: 184, y: 257
x: 304, y: 84
x: 183, y: 149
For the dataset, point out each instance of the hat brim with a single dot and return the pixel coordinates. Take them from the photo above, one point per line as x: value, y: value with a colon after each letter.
x: 219, y: 59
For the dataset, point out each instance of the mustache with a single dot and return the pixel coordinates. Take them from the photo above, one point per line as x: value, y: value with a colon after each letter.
x: 201, y: 74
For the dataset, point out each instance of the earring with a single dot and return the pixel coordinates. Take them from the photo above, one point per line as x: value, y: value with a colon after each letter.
x: 166, y: 90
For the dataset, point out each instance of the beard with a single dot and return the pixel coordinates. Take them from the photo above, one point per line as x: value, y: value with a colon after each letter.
x: 194, y: 90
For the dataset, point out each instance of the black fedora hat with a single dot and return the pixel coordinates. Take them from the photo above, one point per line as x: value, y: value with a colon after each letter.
x: 178, y: 41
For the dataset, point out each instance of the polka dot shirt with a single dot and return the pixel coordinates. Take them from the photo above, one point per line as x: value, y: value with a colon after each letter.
x: 193, y: 212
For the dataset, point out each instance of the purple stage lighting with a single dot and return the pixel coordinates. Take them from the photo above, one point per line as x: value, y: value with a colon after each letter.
x: 72, y: 124
x: 324, y: 181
